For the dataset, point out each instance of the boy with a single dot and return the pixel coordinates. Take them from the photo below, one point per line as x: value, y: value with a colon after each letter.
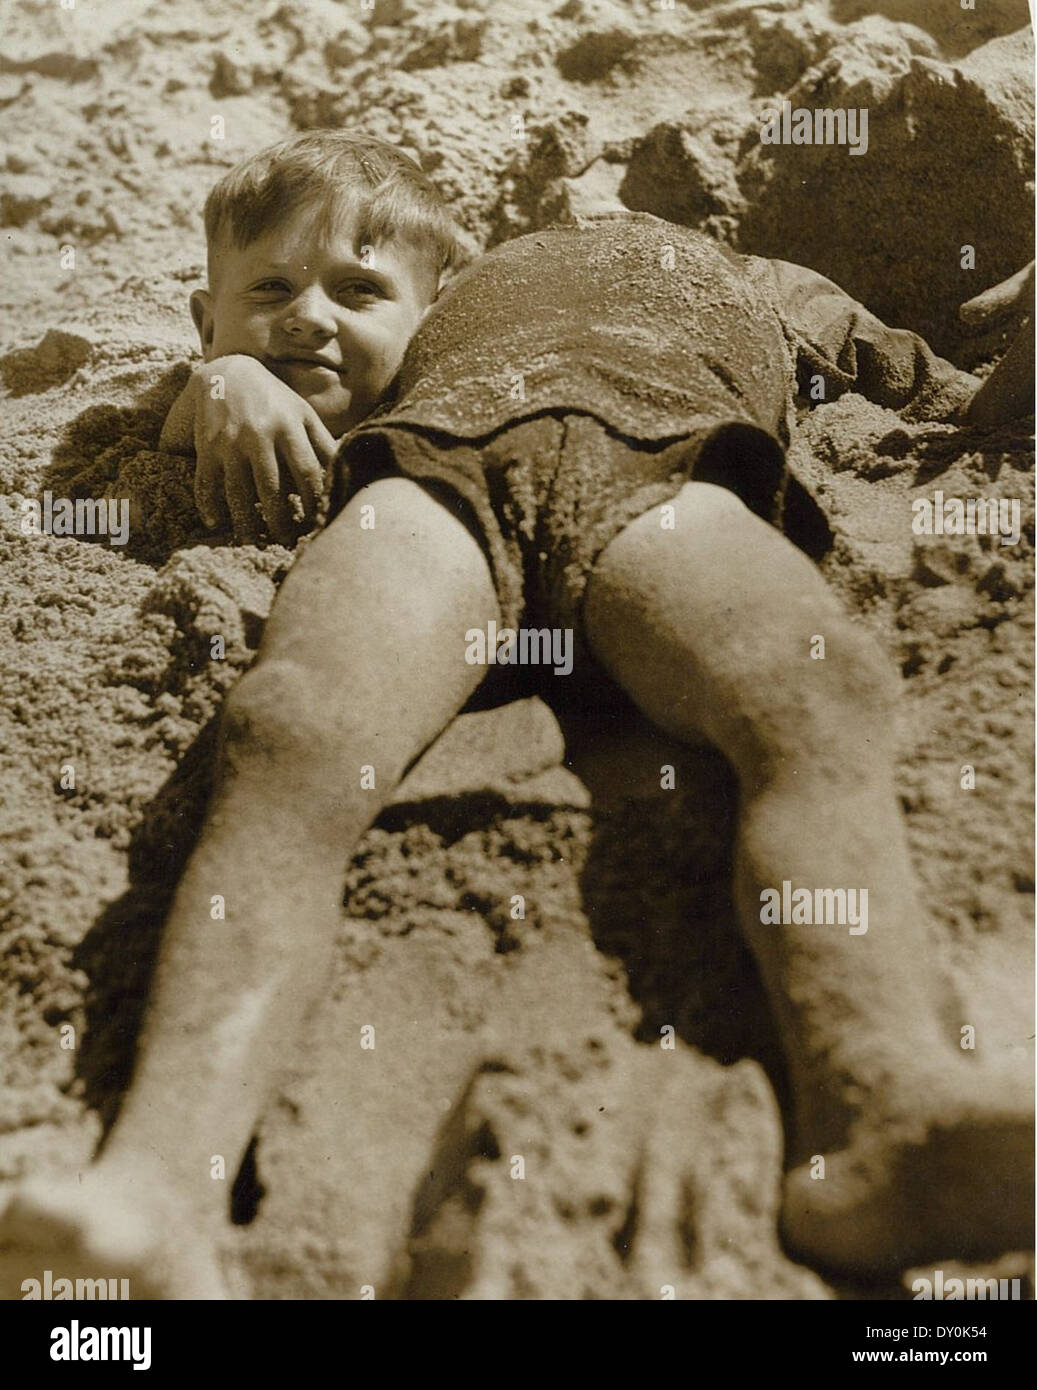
x: 295, y: 373
x: 569, y: 392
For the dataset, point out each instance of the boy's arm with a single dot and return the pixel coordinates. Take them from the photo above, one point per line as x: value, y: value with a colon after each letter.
x: 256, y: 443
x: 836, y: 338
x: 1008, y: 391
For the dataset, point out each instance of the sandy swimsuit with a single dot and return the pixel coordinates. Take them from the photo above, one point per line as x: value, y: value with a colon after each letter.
x: 575, y: 378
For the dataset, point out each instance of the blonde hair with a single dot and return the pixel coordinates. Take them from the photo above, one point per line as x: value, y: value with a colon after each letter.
x: 329, y: 169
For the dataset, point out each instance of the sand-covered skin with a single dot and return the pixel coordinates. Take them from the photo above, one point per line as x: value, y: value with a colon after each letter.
x: 498, y: 1038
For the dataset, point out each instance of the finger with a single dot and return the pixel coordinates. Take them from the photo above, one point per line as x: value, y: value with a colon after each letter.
x: 241, y: 498
x: 209, y: 489
x: 325, y: 445
x: 303, y: 467
x: 1014, y: 295
x: 266, y: 474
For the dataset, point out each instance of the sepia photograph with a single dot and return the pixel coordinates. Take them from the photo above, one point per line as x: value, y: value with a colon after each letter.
x: 516, y: 660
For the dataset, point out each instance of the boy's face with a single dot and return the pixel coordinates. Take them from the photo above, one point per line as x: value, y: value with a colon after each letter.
x: 301, y: 301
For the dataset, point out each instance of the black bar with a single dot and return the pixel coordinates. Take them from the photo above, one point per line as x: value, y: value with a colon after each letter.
x: 707, y: 1338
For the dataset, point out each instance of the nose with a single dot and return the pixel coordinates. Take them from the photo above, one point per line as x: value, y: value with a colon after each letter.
x: 311, y: 316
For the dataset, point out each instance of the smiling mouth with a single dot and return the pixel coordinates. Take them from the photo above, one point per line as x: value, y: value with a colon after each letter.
x: 308, y: 362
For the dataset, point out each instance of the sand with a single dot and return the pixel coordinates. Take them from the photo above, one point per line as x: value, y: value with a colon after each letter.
x: 538, y: 1038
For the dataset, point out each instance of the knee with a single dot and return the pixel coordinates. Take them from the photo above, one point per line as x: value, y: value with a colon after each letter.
x: 842, y: 711
x: 865, y: 682
x: 640, y: 564
x: 271, y: 711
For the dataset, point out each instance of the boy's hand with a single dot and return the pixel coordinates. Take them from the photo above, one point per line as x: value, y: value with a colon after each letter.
x: 256, y: 442
x: 1008, y: 391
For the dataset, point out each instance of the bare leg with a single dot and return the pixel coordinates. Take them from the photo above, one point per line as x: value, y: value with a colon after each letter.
x: 709, y: 628
x: 362, y: 663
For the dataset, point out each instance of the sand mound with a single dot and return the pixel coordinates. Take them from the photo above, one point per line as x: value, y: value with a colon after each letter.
x: 538, y: 1037
x: 894, y: 233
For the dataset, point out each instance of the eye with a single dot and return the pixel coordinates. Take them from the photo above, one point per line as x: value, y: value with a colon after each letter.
x: 361, y: 289
x: 270, y: 288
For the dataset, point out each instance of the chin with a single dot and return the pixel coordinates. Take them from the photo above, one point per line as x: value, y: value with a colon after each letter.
x: 336, y: 417
x: 338, y: 422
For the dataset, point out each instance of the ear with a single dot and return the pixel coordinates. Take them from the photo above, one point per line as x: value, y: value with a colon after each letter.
x: 434, y: 300
x: 201, y: 312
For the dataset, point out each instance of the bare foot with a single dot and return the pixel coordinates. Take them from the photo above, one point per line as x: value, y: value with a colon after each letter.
x: 954, y: 1185
x: 88, y: 1228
